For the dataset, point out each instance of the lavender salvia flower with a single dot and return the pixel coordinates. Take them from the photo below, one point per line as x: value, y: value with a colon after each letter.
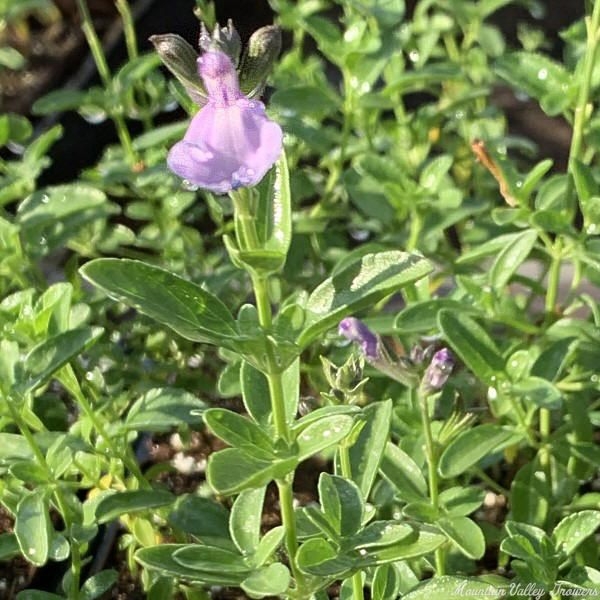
x: 230, y: 143
x: 438, y: 371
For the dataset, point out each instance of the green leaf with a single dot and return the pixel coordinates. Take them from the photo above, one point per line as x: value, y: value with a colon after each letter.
x: 267, y: 546
x: 422, y: 317
x: 466, y: 535
x: 255, y: 394
x: 574, y: 529
x: 131, y: 501
x: 233, y: 470
x: 33, y: 527
x: 341, y: 503
x: 201, y: 517
x: 9, y: 546
x: 367, y: 451
x: 380, y: 534
x: 319, y: 557
x: 461, y: 501
x: 386, y: 583
x: 97, y: 584
x: 538, y: 76
x: 469, y: 447
x: 424, y: 541
x: 538, y: 391
x: 161, y: 559
x: 11, y: 58
x: 510, y: 259
x: 274, y: 211
x: 52, y: 354
x: 245, y: 520
x: 358, y: 285
x: 323, y: 433
x: 210, y: 558
x: 59, y: 101
x: 530, y: 496
x: 273, y: 580
x: 14, y: 446
x: 449, y: 587
x: 239, y: 432
x: 304, y: 100
x: 160, y: 409
x: 185, y: 307
x: 37, y: 595
x: 403, y: 473
x: 49, y: 216
x: 472, y: 343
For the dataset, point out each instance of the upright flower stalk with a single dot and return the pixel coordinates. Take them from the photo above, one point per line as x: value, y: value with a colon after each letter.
x: 433, y: 379
x: 229, y: 146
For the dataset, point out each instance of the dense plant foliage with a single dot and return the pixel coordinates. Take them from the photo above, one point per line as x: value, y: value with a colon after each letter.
x: 407, y: 302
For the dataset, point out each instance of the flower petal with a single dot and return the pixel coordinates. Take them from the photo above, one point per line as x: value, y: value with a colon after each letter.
x: 226, y: 147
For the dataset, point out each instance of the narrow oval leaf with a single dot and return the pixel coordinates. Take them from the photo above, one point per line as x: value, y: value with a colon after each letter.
x: 210, y: 558
x: 466, y: 535
x: 120, y: 503
x: 52, y: 354
x: 160, y: 559
x: 469, y: 447
x: 358, y: 285
x: 403, y: 473
x: 341, y: 503
x: 160, y: 409
x: 386, y: 583
x: 233, y: 470
x: 575, y: 528
x: 33, y: 527
x: 185, y: 307
x: 510, y: 258
x: 245, y: 520
x: 239, y: 432
x: 472, y: 343
x: 319, y: 557
x: 97, y: 584
x: 273, y: 580
x: 323, y: 433
x: 367, y: 452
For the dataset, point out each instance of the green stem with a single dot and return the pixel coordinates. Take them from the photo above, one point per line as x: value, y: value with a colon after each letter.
x: 440, y: 553
x: 73, y: 592
x: 69, y: 380
x: 581, y: 113
x: 554, y: 277
x: 357, y: 581
x: 545, y: 428
x: 128, y: 28
x: 97, y: 51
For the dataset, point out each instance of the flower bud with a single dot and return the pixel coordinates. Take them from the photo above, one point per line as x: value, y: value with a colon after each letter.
x: 438, y: 371
x: 356, y: 331
x: 181, y: 59
x: 260, y: 54
x: 223, y: 39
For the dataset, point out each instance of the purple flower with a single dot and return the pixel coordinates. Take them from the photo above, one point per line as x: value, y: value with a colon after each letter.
x: 230, y: 143
x: 439, y: 370
x: 356, y: 331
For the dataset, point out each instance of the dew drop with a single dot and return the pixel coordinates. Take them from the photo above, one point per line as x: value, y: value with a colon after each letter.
x: 188, y: 185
